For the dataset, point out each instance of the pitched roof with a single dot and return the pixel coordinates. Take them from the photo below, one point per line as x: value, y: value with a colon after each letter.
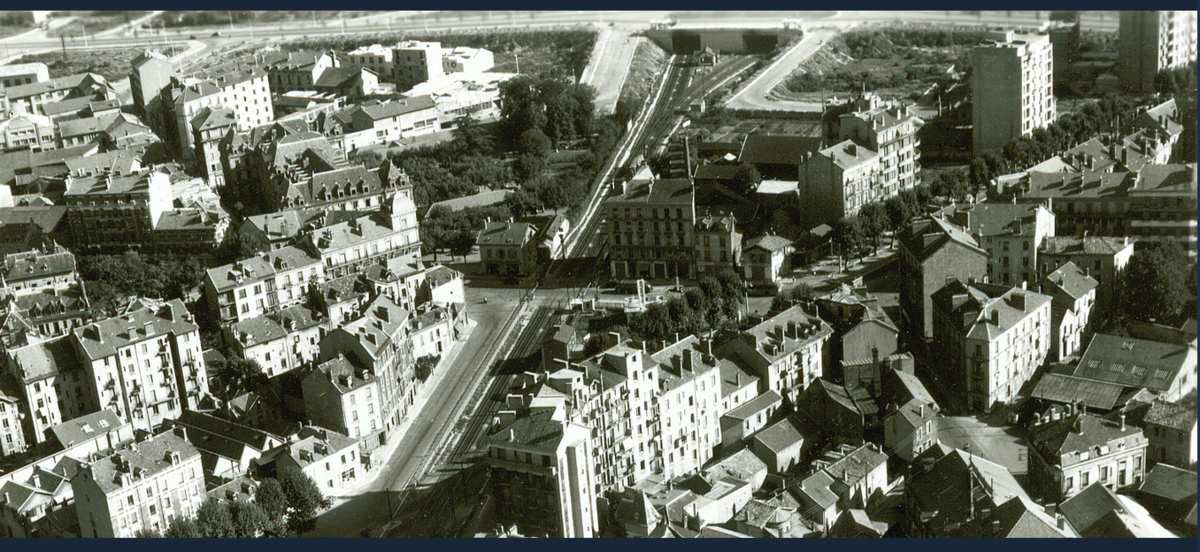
x: 506, y: 233
x: 925, y: 236
x: 1068, y: 389
x: 260, y: 266
x: 43, y: 359
x: 104, y: 337
x: 342, y: 375
x: 1134, y: 362
x: 149, y: 456
x: 539, y: 429
x: 35, y: 264
x: 781, y: 435
x: 777, y: 149
x: 1170, y: 483
x: 1070, y: 280
x: 1097, y: 512
x: 768, y: 242
x: 1180, y: 416
x: 86, y: 427
x: 1079, y: 433
x: 755, y: 405
x: 396, y: 108
x: 666, y: 191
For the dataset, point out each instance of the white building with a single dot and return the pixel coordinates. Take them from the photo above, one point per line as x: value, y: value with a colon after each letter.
x: 1012, y: 88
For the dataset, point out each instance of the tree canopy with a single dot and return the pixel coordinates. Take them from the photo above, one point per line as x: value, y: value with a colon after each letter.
x: 1156, y: 282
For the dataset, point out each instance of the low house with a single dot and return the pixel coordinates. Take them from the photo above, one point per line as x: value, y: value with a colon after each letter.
x: 780, y: 445
x: 856, y: 524
x: 843, y: 412
x: 227, y: 449
x: 745, y: 420
x: 1169, y: 494
x: 861, y: 329
x: 1097, y: 512
x: 910, y: 419
x: 766, y: 259
x: 843, y: 478
x: 508, y: 248
x: 329, y: 458
x: 1164, y: 367
x: 1171, y: 431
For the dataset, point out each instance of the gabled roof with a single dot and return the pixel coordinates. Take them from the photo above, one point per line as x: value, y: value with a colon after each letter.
x: 44, y: 359
x: 1097, y: 512
x: 1134, y: 362
x: 149, y: 456
x: 780, y: 436
x: 1068, y: 389
x: 754, y: 406
x: 768, y: 242
x: 86, y: 427
x: 1078, y: 434
x: 104, y: 337
x: 778, y: 149
x: 925, y: 236
x: 539, y: 429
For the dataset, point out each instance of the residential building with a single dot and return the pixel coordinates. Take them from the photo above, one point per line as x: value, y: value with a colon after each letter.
x: 1169, y: 494
x: 374, y: 123
x: 23, y: 73
x: 862, y: 331
x: 28, y: 131
x: 787, y: 352
x: 1012, y: 88
x: 245, y: 91
x: 146, y: 364
x: 1150, y: 42
x: 45, y: 382
x: 1068, y: 453
x: 462, y: 94
x: 299, y: 70
x: 738, y: 385
x: 343, y: 398
x: 891, y: 132
x: 766, y: 260
x: 843, y: 478
x: 1101, y: 258
x: 278, y: 342
x: 414, y: 62
x: 1012, y: 234
x: 1167, y: 368
x: 910, y: 415
x: 718, y: 243
x: 42, y: 505
x: 992, y: 339
x: 650, y: 229
x: 781, y: 445
x: 227, y: 448
x: 462, y: 59
x: 37, y: 270
x: 543, y: 475
x: 1073, y: 297
x: 1097, y: 512
x: 12, y: 435
x: 261, y: 284
x: 379, y: 341
x: 739, y: 424
x: 329, y: 458
x: 932, y: 251
x: 33, y: 97
x: 843, y: 413
x: 149, y: 73
x: 1171, y: 431
x: 400, y: 278
x: 952, y: 493
x: 208, y: 128
x: 838, y: 180
x: 520, y: 247
x: 1157, y: 203
x: 435, y: 329
x: 110, y: 210
x: 348, y: 247
x: 778, y: 157
x: 141, y: 487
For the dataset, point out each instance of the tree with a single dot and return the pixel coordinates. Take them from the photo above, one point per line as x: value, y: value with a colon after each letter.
x: 529, y: 166
x: 1155, y: 284
x: 535, y: 142
x: 236, y: 376
x: 147, y: 533
x: 524, y: 202
x: 425, y: 366
x: 183, y: 528
x: 897, y: 212
x: 270, y: 496
x: 249, y: 519
x: 788, y: 297
x: 848, y: 237
x: 213, y: 519
x: 304, y: 499
x: 471, y: 138
x: 874, y: 221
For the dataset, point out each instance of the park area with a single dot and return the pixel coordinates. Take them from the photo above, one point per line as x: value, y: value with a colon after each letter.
x: 897, y: 63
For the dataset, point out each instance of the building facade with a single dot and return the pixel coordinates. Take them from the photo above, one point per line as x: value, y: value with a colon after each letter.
x: 650, y: 230
x: 1012, y: 88
x: 1152, y: 41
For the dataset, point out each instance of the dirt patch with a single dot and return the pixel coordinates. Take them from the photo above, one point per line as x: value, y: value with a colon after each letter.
x: 890, y: 62
x: 110, y: 63
x: 649, y: 61
x: 92, y: 22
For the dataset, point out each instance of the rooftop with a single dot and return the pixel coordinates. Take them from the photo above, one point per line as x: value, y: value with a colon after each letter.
x: 103, y: 338
x: 143, y: 459
x: 768, y: 149
x: 258, y: 267
x: 86, y: 427
x: 1081, y: 434
x: 1134, y: 362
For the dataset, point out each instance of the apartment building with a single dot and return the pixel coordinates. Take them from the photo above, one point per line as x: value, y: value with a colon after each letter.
x: 543, y: 474
x: 414, y: 62
x: 28, y: 131
x: 840, y: 179
x: 287, y: 71
x: 111, y: 210
x: 992, y: 339
x: 787, y: 352
x: 343, y: 398
x: 12, y: 436
x: 932, y: 251
x: 149, y: 73
x: 375, y: 57
x: 463, y: 59
x: 688, y: 405
x: 245, y: 91
x: 261, y: 284
x: 1073, y: 295
x: 329, y: 458
x: 891, y: 132
x: 1012, y: 88
x: 521, y: 246
x: 351, y: 246
x: 1164, y: 366
x: 1102, y: 258
x: 140, y: 487
x: 650, y: 229
x: 278, y: 342
x: 1150, y: 42
x: 379, y: 123
x: 379, y: 341
x: 23, y: 73
x: 1157, y: 203
x: 46, y: 385
x: 209, y: 128
x: 146, y: 364
x: 1012, y: 234
x: 1072, y: 450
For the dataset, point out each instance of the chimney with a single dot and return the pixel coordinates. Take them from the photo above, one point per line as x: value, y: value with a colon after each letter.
x: 1122, y: 421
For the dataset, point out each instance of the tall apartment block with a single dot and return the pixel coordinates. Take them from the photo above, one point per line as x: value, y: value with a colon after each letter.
x: 1012, y: 88
x: 1151, y: 41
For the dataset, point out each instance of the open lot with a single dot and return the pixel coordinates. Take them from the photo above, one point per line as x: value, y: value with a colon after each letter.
x: 92, y: 22
x: 110, y: 63
x: 891, y: 62
x: 176, y: 19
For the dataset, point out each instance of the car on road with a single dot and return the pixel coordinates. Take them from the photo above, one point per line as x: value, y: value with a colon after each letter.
x: 192, y: 37
x: 216, y: 34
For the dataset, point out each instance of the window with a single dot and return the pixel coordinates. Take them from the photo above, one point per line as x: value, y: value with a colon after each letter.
x: 1083, y: 479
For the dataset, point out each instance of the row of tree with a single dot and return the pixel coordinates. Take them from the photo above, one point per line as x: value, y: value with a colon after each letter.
x: 854, y: 235
x: 713, y: 304
x: 287, y: 505
x: 110, y: 279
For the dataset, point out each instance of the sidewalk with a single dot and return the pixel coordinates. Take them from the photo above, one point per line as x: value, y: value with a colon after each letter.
x: 381, y: 454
